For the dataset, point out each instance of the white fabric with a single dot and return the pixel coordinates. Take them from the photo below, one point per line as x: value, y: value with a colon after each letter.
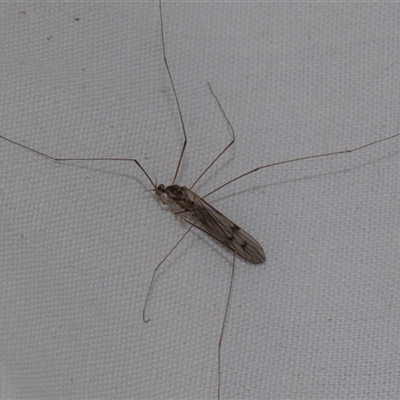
x: 319, y: 320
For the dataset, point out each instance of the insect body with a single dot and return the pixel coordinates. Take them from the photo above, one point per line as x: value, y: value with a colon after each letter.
x: 208, y: 219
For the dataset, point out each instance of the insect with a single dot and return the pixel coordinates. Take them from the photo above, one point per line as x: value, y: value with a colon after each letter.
x: 197, y: 211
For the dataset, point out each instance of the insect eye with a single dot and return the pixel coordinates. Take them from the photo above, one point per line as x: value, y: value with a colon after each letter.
x: 160, y: 189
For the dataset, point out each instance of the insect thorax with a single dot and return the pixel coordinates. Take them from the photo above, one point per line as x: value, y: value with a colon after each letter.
x: 179, y: 197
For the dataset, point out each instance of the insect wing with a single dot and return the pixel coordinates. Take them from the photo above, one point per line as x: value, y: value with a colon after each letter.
x: 221, y: 228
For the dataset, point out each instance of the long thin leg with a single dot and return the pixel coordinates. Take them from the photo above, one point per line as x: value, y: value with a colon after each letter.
x: 223, y: 327
x: 82, y: 159
x: 175, y: 95
x: 227, y: 147
x: 128, y: 159
x: 156, y: 269
x: 300, y: 159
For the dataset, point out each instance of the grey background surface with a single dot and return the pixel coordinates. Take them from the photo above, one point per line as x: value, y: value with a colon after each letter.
x: 319, y: 320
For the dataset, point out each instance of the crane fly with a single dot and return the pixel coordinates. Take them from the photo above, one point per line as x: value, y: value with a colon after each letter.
x: 194, y: 209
